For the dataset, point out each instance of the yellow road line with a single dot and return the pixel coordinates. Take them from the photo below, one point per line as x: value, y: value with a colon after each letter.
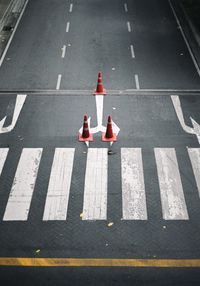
x: 98, y: 262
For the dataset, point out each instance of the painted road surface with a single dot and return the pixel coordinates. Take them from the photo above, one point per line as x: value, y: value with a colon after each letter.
x: 137, y: 45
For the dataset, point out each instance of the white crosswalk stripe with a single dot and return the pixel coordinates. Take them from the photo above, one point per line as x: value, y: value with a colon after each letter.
x: 171, y: 190
x: 194, y: 154
x: 95, y: 191
x: 133, y: 191
x: 95, y: 188
x: 59, y: 185
x: 23, y: 185
x: 3, y: 156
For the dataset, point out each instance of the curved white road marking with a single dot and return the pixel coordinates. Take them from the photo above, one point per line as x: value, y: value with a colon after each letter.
x: 196, y: 127
x: 18, y: 107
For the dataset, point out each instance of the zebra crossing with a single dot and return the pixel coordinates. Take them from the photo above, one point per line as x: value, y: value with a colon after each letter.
x: 95, y: 189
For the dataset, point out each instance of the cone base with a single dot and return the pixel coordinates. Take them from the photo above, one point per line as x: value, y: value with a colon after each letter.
x: 105, y: 139
x: 102, y: 92
x: 83, y: 139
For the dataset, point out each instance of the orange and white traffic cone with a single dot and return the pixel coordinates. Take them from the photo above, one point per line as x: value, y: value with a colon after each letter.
x: 85, y: 136
x: 109, y: 136
x: 100, y: 88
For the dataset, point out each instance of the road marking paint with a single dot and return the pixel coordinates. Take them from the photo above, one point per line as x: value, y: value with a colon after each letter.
x: 133, y: 189
x: 95, y: 191
x: 172, y: 196
x: 12, y: 35
x: 70, y: 8
x: 98, y: 262
x: 137, y: 83
x: 185, y: 39
x: 132, y: 52
x: 194, y: 154
x: 20, y: 100
x: 59, y: 185
x: 129, y: 26
x: 177, y: 106
x: 67, y: 27
x: 3, y: 156
x: 63, y: 51
x: 125, y: 7
x: 19, y: 200
x: 58, y: 81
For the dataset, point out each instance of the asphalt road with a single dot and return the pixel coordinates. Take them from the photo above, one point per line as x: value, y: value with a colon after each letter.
x: 98, y: 38
x: 138, y: 46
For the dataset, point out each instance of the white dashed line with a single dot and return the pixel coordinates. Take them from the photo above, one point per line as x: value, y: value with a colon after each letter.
x: 125, y: 7
x: 132, y: 52
x: 58, y: 82
x: 70, y: 8
x: 67, y: 27
x: 63, y: 51
x: 129, y: 26
x: 137, y: 82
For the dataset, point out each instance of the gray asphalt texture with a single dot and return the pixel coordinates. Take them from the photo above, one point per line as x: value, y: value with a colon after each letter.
x: 98, y: 39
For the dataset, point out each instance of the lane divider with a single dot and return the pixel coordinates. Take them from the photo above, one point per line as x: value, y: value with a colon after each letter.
x: 99, y: 262
x: 58, y: 82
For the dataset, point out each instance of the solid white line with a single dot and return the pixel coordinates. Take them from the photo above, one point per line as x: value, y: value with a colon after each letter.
x: 58, y: 81
x: 185, y: 39
x: 171, y: 190
x: 59, y: 185
x: 194, y: 154
x: 125, y: 7
x: 95, y: 191
x: 132, y: 52
x: 3, y: 156
x: 13, y: 33
x: 19, y: 200
x: 67, y: 27
x: 137, y: 83
x: 70, y: 8
x: 63, y: 51
x: 129, y: 26
x: 133, y: 189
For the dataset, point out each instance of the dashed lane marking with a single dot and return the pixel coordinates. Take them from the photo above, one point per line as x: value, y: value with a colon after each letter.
x: 98, y: 262
x: 63, y: 51
x: 137, y: 83
x: 58, y: 81
x: 129, y: 26
x: 132, y: 52
x: 70, y: 8
x: 125, y: 7
x: 67, y: 27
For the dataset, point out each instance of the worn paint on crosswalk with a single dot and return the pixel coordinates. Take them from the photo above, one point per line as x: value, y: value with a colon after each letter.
x: 133, y: 190
x: 95, y: 190
x: 194, y: 154
x: 3, y: 156
x: 171, y: 190
x: 59, y: 185
x: 23, y: 185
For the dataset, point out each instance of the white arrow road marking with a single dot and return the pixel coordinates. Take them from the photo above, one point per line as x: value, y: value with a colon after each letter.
x: 100, y: 127
x: 18, y: 107
x: 179, y: 113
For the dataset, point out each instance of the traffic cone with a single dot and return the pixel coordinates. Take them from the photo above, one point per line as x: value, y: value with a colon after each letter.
x: 85, y: 136
x: 100, y: 88
x: 109, y: 136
